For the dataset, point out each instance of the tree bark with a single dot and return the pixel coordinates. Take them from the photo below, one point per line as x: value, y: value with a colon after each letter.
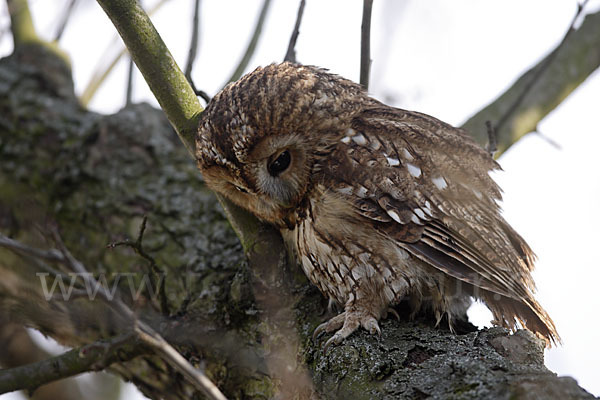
x: 96, y: 176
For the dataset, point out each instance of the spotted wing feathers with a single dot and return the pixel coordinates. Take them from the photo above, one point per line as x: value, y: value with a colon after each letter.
x: 426, y: 184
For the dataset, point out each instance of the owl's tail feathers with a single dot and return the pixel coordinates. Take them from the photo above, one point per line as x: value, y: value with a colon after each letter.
x: 510, y: 313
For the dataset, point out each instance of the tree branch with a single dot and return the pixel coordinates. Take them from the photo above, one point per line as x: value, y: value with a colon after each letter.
x: 21, y: 23
x: 142, y: 331
x: 542, y: 88
x: 154, y: 60
x: 172, y: 90
x: 64, y: 20
x: 290, y: 54
x: 189, y: 65
x: 129, y: 91
x: 101, y: 72
x: 20, y: 349
x: 92, y: 357
x: 22, y: 249
x: 155, y: 272
x: 365, y: 43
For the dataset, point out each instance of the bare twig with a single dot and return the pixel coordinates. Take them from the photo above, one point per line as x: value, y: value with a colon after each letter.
x: 155, y: 271
x: 290, y: 54
x: 252, y: 44
x: 177, y: 361
x: 365, y: 43
x: 540, y: 71
x: 201, y: 93
x: 129, y: 92
x: 103, y: 71
x: 22, y: 249
x: 92, y: 357
x: 194, y: 42
x: 548, y: 140
x: 492, y: 145
x: 64, y: 20
x: 143, y: 330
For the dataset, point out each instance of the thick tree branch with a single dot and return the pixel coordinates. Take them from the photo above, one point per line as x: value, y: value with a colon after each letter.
x: 23, y: 30
x: 92, y: 357
x: 21, y: 23
x: 20, y: 349
x: 542, y: 88
x: 164, y: 78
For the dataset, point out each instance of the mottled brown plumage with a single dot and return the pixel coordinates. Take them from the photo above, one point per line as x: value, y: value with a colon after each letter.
x: 380, y: 204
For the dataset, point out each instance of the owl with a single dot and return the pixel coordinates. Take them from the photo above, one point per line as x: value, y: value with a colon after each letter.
x: 379, y: 204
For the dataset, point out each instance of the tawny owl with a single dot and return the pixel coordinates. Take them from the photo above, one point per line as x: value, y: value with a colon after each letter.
x: 380, y: 204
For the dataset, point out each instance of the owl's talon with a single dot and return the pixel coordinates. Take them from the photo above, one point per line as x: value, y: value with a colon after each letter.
x: 349, y: 321
x: 371, y: 326
x: 331, y: 325
x: 335, y: 339
x: 317, y: 332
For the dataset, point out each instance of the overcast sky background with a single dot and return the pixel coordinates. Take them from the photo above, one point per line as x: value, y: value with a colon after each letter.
x: 444, y: 58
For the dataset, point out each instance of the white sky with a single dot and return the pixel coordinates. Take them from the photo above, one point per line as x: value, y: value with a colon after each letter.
x: 444, y: 58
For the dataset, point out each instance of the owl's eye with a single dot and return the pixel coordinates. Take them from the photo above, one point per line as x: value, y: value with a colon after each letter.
x: 279, y: 164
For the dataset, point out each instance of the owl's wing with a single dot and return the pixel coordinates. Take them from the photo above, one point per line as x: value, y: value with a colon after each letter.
x: 426, y: 184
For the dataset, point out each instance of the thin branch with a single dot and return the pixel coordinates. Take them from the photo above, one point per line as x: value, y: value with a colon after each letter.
x: 201, y: 93
x: 23, y: 249
x: 98, y: 78
x: 64, y: 20
x: 103, y: 71
x: 154, y: 60
x: 177, y: 361
x: 92, y: 357
x: 365, y: 43
x: 252, y: 44
x: 35, y: 255
x: 155, y: 271
x: 548, y: 140
x: 129, y: 92
x: 194, y: 42
x: 492, y: 146
x: 290, y: 54
x: 142, y: 330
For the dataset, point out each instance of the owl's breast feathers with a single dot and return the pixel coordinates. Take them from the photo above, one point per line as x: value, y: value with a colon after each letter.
x: 426, y: 185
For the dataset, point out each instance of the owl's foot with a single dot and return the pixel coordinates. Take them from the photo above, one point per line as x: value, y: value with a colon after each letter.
x: 345, y: 324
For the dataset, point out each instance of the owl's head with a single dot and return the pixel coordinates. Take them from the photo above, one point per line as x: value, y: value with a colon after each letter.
x: 262, y: 139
